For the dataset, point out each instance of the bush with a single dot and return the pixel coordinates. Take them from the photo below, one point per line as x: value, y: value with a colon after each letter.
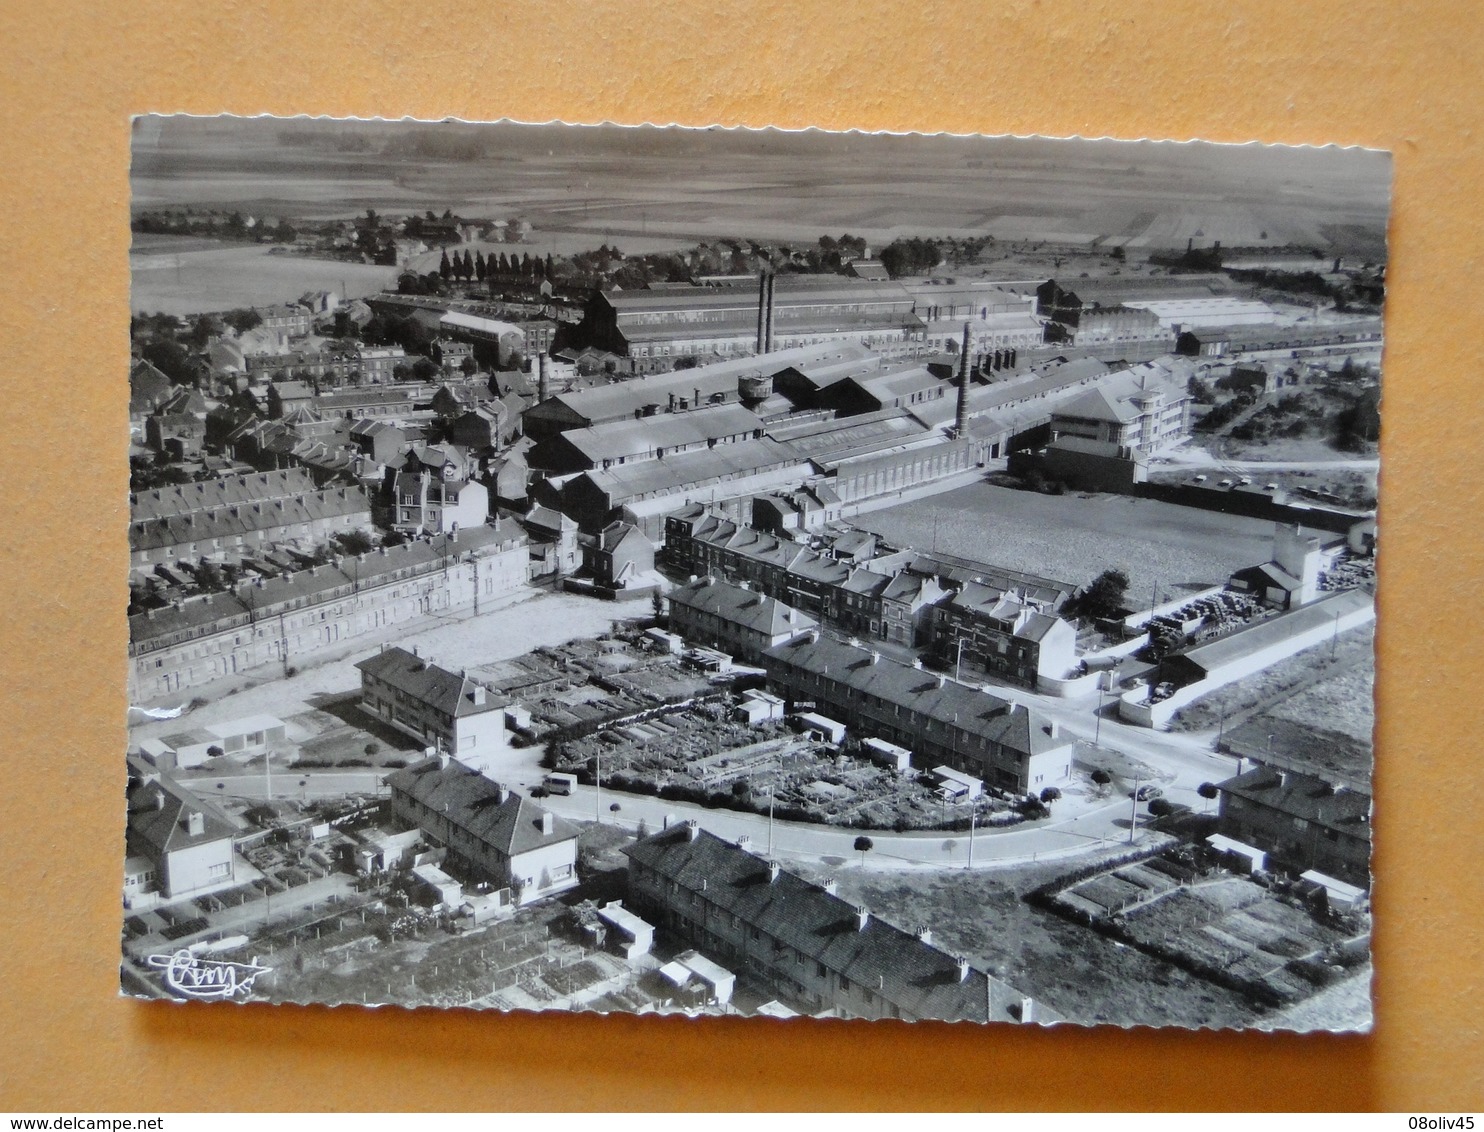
x: 372, y: 748
x: 1101, y: 777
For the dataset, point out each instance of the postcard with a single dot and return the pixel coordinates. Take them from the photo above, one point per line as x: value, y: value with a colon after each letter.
x: 723, y: 571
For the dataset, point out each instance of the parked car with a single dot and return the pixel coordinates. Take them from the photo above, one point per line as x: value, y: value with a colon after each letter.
x: 1147, y: 792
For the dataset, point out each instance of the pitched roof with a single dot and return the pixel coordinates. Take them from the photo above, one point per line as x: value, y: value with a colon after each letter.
x: 923, y: 980
x: 229, y: 520
x: 159, y: 813
x: 746, y: 608
x: 1304, y: 796
x: 618, y: 400
x: 472, y: 802
x: 452, y: 693
x: 925, y: 693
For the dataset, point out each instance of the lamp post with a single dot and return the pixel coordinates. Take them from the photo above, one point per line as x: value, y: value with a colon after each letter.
x: 1097, y: 727
x: 1133, y: 813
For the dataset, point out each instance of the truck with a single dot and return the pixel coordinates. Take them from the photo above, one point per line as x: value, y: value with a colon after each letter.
x: 559, y: 783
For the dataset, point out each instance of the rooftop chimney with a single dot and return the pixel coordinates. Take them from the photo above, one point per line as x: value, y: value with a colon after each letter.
x: 478, y: 695
x: 195, y: 823
x: 862, y: 918
x: 1027, y: 1009
x: 832, y: 886
x: 773, y: 871
x: 744, y: 842
x: 503, y: 792
x: 692, y: 830
x: 925, y: 934
x: 443, y: 761
x: 548, y: 824
x: 963, y: 968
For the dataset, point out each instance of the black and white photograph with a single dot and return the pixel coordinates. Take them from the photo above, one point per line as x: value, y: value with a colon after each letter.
x: 807, y: 574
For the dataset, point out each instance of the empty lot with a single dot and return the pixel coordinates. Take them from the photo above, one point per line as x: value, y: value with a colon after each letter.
x: 1075, y: 537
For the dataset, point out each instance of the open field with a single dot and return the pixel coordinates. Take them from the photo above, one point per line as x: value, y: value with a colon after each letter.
x: 1352, y: 649
x: 1076, y: 537
x: 241, y: 275
x: 768, y: 185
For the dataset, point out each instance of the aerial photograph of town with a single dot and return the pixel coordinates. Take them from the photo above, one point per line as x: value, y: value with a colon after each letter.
x: 748, y: 572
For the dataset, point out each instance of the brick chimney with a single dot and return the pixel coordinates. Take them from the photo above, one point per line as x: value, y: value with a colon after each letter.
x: 961, y: 415
x: 542, y: 383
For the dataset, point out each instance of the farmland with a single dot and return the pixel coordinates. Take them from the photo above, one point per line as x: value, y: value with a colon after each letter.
x: 619, y: 185
x: 207, y: 278
x: 1076, y: 537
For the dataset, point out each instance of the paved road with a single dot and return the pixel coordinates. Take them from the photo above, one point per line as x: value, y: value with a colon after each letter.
x: 1105, y: 825
x: 287, y: 784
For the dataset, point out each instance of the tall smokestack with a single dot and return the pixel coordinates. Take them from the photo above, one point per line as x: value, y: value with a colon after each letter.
x: 772, y: 295
x: 542, y: 391
x: 762, y: 311
x: 961, y: 417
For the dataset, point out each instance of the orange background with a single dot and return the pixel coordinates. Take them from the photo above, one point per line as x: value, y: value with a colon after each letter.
x: 1394, y: 75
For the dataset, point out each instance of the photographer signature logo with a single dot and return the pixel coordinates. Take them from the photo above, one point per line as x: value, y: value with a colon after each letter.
x: 194, y: 976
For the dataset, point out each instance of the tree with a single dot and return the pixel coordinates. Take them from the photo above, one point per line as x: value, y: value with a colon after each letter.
x: 1101, y: 777
x: 1208, y: 791
x: 864, y: 845
x: 355, y: 542
x: 1050, y: 794
x: 469, y: 367
x: 170, y: 358
x: 1104, y: 596
x: 479, y: 268
x: 425, y: 369
x: 445, y: 269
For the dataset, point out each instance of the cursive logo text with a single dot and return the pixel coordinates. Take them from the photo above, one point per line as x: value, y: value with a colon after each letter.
x: 196, y: 977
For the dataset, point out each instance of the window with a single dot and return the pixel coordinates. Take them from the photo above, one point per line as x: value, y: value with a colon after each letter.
x: 221, y: 869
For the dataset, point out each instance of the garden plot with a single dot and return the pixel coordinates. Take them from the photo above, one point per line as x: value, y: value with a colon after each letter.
x: 1221, y: 926
x: 699, y: 754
